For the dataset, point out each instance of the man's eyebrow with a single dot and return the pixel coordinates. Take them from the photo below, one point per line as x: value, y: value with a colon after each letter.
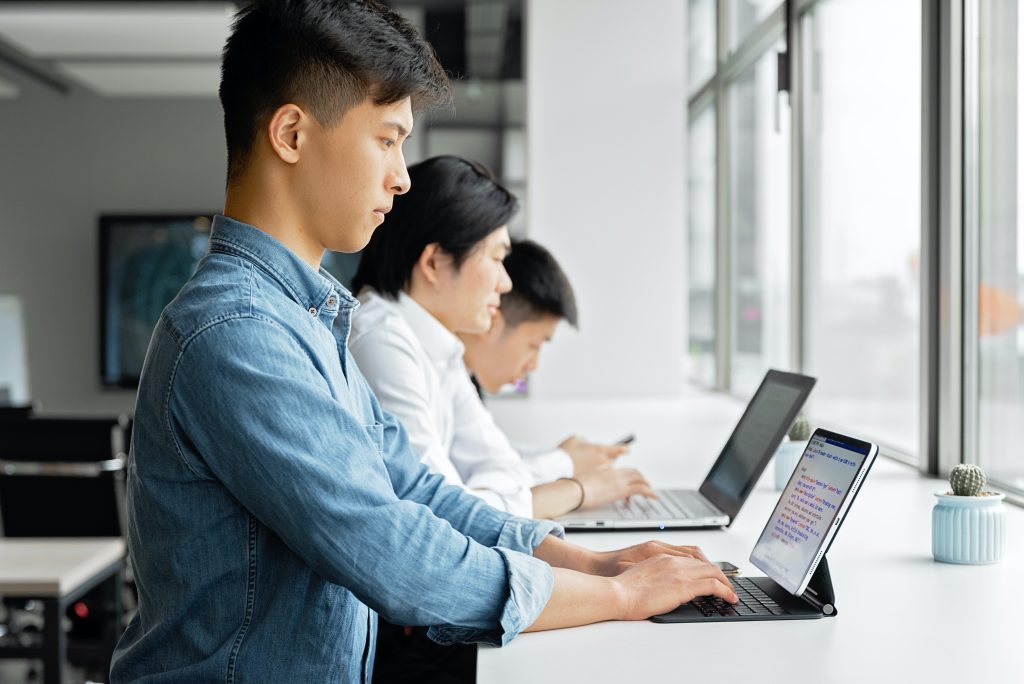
x: 403, y: 132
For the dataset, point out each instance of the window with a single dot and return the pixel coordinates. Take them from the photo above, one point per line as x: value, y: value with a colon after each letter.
x: 701, y: 247
x: 862, y: 221
x: 760, y: 224
x: 994, y: 334
x: 745, y: 15
x: 700, y: 43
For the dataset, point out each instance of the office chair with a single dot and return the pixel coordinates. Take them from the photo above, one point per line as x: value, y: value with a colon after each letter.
x: 15, y: 411
x: 64, y: 477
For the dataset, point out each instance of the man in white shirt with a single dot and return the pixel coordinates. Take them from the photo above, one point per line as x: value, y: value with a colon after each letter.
x: 541, y: 297
x: 434, y: 270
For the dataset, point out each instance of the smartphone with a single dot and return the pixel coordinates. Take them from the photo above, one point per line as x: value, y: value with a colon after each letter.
x: 727, y: 568
x: 628, y: 439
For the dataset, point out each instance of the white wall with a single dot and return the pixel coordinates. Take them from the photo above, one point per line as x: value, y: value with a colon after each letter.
x: 66, y: 160
x: 606, y: 118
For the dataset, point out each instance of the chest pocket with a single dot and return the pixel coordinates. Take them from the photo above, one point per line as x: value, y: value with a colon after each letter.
x: 376, y: 434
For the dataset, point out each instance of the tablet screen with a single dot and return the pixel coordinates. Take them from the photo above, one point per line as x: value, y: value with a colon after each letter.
x: 800, y: 523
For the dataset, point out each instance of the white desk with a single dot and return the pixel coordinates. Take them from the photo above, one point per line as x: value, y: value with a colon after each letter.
x: 902, y: 617
x: 58, y: 572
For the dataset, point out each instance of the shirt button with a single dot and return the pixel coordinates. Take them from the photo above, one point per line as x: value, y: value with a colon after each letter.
x: 332, y: 301
x: 312, y: 311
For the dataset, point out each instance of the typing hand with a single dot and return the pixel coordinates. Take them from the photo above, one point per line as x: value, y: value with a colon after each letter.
x: 602, y: 487
x: 612, y: 563
x: 587, y: 456
x: 663, y: 582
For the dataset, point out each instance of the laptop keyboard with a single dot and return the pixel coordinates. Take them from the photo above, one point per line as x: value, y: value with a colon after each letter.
x: 753, y: 601
x: 671, y: 506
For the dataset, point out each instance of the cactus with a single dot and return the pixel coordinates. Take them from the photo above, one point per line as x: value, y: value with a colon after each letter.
x: 801, y: 429
x: 966, y: 480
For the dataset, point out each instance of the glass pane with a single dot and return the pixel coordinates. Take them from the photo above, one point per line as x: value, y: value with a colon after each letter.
x: 759, y: 220
x: 745, y: 15
x: 701, y: 246
x: 996, y: 148
x: 701, y: 43
x: 862, y: 224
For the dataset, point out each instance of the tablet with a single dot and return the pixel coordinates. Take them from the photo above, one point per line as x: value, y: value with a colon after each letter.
x: 812, y: 507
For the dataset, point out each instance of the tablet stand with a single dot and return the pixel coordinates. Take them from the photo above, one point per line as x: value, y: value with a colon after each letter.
x: 819, y: 591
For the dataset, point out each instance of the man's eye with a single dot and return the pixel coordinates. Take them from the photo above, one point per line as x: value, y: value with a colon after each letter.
x: 388, y: 142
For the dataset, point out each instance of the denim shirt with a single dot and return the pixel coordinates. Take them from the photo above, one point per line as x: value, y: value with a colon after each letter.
x: 274, y: 508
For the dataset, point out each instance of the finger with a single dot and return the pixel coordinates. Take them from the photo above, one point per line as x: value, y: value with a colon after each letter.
x: 684, y: 551
x: 637, y: 478
x: 691, y: 551
x: 613, y: 452
x: 713, y: 587
x: 643, y: 489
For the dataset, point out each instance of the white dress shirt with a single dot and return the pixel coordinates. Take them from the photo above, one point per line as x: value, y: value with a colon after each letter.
x: 545, y: 464
x: 414, y: 365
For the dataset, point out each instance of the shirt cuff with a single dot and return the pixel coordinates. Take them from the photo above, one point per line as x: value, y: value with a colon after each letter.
x: 524, y: 535
x: 549, y: 466
x: 530, y: 582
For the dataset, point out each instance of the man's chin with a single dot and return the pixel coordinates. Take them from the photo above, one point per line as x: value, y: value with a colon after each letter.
x: 353, y: 243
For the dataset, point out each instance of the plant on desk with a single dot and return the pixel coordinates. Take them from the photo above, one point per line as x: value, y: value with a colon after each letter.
x: 968, y: 523
x: 790, y: 451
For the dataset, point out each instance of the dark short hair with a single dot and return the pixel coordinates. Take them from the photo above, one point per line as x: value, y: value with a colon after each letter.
x: 539, y: 286
x: 451, y: 201
x: 324, y: 55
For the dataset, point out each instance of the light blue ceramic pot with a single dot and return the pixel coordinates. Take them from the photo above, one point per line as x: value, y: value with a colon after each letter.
x: 786, y: 457
x: 969, y: 529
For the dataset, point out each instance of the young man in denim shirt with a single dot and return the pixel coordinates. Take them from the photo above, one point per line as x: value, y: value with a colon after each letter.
x: 273, y: 508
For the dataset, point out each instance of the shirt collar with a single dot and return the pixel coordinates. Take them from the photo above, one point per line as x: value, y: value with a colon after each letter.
x: 440, y: 343
x: 312, y: 289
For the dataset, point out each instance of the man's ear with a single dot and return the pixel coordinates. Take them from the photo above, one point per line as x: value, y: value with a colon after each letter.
x: 286, y: 132
x: 430, y: 262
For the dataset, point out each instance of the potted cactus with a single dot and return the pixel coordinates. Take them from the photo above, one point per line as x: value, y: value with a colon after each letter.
x: 790, y: 451
x: 968, y: 522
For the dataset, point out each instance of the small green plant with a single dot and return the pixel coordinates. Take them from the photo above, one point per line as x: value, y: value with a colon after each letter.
x: 966, y: 480
x: 801, y: 429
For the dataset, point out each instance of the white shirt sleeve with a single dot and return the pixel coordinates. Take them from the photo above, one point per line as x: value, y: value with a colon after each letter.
x: 409, y: 387
x: 482, y: 452
x: 546, y: 465
x: 402, y: 386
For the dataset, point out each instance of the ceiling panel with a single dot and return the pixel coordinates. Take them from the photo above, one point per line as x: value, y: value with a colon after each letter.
x: 147, y: 79
x: 117, y: 30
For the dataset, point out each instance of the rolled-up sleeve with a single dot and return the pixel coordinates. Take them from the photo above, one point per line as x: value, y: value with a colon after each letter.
x: 530, y: 582
x: 314, y: 473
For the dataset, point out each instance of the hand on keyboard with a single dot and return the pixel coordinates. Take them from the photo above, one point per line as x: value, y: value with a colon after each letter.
x: 612, y: 563
x: 602, y: 487
x: 661, y: 583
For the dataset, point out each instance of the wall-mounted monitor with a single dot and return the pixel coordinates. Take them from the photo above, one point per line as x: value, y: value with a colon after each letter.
x: 144, y: 262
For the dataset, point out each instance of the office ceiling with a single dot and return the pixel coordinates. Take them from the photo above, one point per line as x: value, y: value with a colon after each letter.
x: 172, y: 49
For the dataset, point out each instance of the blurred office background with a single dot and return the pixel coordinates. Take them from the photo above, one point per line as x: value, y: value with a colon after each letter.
x: 828, y: 186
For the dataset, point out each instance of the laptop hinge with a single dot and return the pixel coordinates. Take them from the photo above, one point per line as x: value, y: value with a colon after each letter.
x: 819, y: 591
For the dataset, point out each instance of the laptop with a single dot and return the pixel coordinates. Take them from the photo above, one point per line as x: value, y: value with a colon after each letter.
x: 757, y: 435
x: 791, y: 549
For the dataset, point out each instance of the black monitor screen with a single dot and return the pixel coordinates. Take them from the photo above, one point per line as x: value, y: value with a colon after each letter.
x: 144, y: 261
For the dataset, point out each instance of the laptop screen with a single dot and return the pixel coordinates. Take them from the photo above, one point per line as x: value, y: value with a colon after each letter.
x: 757, y: 435
x: 807, y: 508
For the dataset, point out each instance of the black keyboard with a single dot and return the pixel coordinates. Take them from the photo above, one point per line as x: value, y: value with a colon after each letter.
x: 753, y: 601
